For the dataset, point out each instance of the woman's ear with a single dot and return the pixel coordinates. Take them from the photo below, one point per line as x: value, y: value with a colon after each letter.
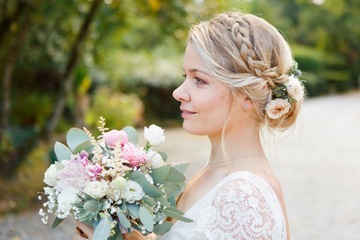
x: 247, y: 104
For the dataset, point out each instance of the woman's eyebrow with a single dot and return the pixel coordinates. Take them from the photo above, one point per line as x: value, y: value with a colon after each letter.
x: 192, y: 70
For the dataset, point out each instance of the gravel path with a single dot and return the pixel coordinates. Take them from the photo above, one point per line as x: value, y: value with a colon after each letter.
x: 317, y: 163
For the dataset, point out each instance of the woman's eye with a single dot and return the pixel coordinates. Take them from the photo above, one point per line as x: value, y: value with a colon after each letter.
x: 199, y: 81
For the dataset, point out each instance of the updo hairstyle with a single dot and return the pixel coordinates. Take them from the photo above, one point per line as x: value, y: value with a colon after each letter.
x: 250, y: 56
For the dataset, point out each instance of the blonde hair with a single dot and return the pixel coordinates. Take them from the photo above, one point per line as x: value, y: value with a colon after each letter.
x: 250, y: 56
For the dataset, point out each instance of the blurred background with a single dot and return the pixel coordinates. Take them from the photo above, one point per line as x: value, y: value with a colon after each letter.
x: 65, y: 63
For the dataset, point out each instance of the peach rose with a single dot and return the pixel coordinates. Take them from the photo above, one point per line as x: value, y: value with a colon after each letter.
x: 277, y: 108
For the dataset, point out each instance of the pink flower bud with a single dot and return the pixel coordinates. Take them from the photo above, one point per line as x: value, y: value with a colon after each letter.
x: 115, y: 137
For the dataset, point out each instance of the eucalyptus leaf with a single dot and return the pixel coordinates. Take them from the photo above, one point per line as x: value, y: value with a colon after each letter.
x: 163, y: 228
x: 159, y: 216
x: 56, y: 222
x: 148, y: 188
x: 149, y: 201
x: 133, y: 210
x: 117, y: 235
x: 176, y: 215
x: 123, y: 220
x: 62, y: 152
x: 146, y: 219
x: 86, y: 146
x: 175, y: 176
x: 102, y: 230
x: 95, y: 224
x: 135, y: 226
x: 174, y: 189
x: 159, y: 174
x: 172, y: 201
x: 163, y: 201
x: 175, y: 210
x: 181, y: 167
x: 131, y: 134
x: 123, y: 206
x: 58, y: 165
x: 163, y: 155
x: 75, y: 137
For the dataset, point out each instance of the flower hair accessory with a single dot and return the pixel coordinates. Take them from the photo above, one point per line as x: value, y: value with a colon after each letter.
x: 285, y: 94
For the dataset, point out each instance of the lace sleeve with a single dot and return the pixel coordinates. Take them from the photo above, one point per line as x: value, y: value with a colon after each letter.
x: 243, y: 209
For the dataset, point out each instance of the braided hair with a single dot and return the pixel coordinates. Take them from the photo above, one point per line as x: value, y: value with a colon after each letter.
x: 250, y: 56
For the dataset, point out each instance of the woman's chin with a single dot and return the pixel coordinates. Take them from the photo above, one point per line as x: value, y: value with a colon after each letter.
x: 195, y: 130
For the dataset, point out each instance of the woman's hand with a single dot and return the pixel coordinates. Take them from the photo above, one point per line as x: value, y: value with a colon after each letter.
x: 135, y: 235
x: 83, y: 231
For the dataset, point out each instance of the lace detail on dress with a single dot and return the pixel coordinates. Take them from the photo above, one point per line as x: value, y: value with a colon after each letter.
x: 242, y: 210
x: 241, y: 206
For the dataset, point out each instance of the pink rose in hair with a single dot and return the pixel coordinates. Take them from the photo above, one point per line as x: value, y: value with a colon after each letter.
x: 115, y: 136
x: 135, y: 156
x: 277, y: 108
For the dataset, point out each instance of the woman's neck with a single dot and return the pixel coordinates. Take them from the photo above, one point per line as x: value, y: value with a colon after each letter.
x: 235, y: 144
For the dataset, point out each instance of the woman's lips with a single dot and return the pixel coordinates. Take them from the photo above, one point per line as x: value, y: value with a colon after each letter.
x: 186, y: 113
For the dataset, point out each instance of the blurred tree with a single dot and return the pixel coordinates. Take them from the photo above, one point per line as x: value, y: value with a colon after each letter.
x: 67, y: 78
x: 61, y: 42
x: 19, y: 19
x: 333, y: 33
x: 11, y: 159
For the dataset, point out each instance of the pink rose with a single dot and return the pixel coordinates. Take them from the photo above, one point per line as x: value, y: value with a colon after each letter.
x: 135, y: 156
x: 115, y: 136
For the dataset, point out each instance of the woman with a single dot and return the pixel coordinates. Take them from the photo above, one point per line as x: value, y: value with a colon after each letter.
x: 239, y: 76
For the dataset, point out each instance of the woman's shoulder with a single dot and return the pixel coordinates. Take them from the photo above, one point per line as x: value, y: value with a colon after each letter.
x: 242, y: 202
x: 246, y: 190
x: 244, y: 181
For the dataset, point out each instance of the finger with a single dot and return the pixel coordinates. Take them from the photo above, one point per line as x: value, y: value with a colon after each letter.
x: 78, y: 236
x: 86, y: 229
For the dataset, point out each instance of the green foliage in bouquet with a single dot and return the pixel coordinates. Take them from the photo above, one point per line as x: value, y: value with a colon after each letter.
x: 138, y: 192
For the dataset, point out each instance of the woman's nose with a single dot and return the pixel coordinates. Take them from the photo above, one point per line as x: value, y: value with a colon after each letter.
x: 181, y: 94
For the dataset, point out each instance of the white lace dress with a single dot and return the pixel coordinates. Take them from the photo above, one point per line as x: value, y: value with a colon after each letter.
x: 241, y: 206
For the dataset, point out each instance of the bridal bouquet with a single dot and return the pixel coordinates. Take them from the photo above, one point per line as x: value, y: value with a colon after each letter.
x: 112, y: 184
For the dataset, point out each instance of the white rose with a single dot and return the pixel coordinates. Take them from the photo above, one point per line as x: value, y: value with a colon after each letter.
x: 50, y: 176
x: 155, y: 159
x: 119, y: 183
x: 96, y: 189
x: 117, y: 186
x: 277, y: 107
x: 154, y: 135
x: 66, y: 199
x: 133, y: 192
x: 294, y: 88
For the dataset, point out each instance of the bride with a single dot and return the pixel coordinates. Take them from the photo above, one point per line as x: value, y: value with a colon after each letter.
x: 239, y: 76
